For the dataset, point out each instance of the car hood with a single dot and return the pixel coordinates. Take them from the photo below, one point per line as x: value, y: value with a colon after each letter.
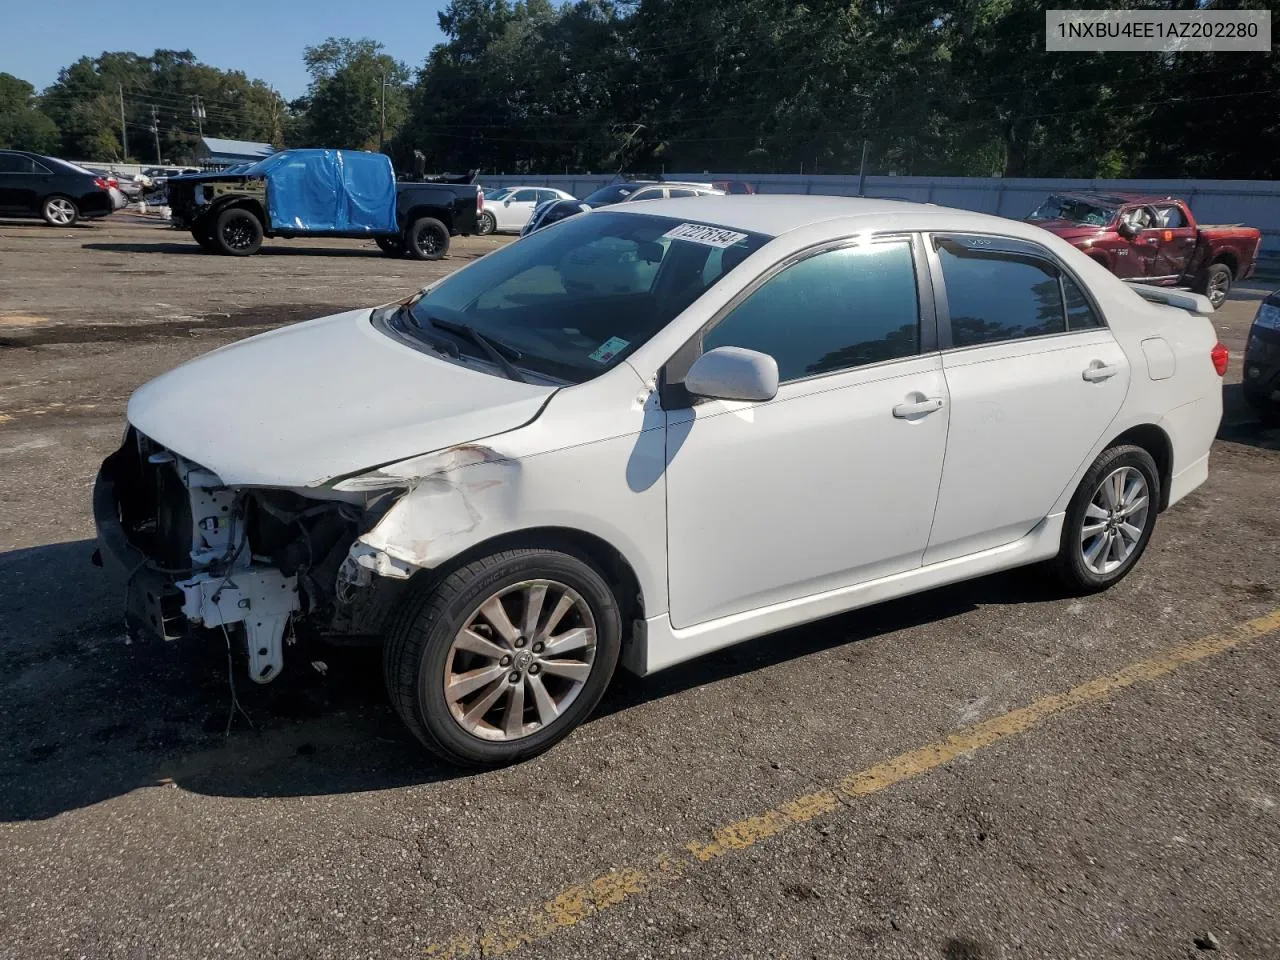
x: 307, y: 403
x: 1069, y: 229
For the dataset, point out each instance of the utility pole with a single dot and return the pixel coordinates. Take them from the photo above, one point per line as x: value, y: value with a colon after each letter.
x: 124, y: 133
x: 197, y: 111
x: 862, y: 169
x: 382, y: 124
x: 155, y: 130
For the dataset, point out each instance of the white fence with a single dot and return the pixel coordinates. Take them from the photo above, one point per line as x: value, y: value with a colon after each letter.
x: 1253, y: 202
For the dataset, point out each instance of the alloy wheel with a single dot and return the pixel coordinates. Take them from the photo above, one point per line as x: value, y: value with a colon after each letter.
x: 520, y: 660
x: 238, y: 235
x: 1115, y: 520
x: 429, y: 241
x: 60, y: 211
x: 1219, y: 283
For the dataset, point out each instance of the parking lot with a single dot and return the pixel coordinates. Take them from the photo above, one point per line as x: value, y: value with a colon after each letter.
x: 986, y: 771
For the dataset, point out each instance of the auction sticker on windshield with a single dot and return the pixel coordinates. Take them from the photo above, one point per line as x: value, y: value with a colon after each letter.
x: 608, y: 350
x: 710, y: 236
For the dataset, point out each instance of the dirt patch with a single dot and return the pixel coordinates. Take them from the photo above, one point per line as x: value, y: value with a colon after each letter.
x: 252, y: 318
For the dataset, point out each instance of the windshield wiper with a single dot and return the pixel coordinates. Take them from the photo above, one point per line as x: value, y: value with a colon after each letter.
x: 495, y: 350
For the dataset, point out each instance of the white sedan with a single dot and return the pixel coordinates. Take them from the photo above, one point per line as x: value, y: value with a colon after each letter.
x: 508, y: 209
x: 769, y: 410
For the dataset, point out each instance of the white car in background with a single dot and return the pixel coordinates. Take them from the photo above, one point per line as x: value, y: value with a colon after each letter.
x: 768, y: 410
x: 508, y: 209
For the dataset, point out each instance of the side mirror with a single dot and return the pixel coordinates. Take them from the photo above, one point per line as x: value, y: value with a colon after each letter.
x: 506, y: 202
x: 1126, y: 229
x: 733, y: 373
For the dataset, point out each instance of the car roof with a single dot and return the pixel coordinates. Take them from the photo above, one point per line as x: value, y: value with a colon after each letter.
x: 1115, y: 199
x: 776, y: 214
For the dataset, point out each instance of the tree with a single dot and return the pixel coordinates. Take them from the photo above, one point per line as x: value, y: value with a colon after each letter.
x: 22, y: 125
x: 350, y: 82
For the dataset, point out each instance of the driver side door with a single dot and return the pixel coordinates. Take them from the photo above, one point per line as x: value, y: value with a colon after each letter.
x: 1135, y: 257
x: 832, y: 482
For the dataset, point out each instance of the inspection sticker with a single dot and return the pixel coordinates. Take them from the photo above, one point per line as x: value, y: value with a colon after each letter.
x: 608, y: 350
x: 710, y: 236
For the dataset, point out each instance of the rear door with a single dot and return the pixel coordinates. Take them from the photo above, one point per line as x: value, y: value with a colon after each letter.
x: 1176, y: 244
x: 1035, y: 379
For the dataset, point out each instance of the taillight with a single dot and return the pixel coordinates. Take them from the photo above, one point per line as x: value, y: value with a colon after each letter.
x: 100, y: 183
x: 1220, y: 355
x: 479, y: 201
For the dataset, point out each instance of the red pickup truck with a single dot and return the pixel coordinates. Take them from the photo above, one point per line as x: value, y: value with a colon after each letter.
x: 1153, y: 239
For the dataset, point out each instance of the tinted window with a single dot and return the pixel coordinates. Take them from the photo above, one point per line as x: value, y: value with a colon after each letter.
x: 994, y: 296
x: 611, y: 194
x: 834, y: 310
x: 545, y: 196
x: 1080, y: 315
x: 15, y: 163
x: 649, y: 193
x: 682, y: 192
x: 1170, y: 217
x: 525, y: 196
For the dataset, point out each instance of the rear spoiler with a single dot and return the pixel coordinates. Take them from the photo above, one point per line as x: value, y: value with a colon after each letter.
x: 1173, y: 297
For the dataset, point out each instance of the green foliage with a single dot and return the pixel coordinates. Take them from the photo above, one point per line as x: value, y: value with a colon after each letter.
x: 85, y: 102
x: 352, y: 83
x: 22, y: 124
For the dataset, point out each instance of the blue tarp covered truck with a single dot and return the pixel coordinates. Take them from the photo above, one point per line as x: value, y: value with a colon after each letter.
x: 324, y: 193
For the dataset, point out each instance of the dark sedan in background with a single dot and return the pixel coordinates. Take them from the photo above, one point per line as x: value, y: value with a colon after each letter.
x: 58, y: 192
x: 1262, y: 361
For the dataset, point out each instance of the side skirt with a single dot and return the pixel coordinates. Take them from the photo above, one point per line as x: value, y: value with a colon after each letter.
x: 656, y: 644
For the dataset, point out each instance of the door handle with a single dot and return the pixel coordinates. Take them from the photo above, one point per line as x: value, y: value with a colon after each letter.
x: 1097, y: 372
x: 918, y: 408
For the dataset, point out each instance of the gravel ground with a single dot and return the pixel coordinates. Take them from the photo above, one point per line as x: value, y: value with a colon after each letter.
x: 1144, y: 823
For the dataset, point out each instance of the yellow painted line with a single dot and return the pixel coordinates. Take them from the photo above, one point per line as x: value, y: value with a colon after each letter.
x: 579, y: 901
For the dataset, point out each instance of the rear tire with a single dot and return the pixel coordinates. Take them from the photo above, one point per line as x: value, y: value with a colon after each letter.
x: 391, y: 246
x: 486, y: 225
x: 427, y: 239
x: 481, y: 727
x: 1109, y: 520
x: 1217, y: 283
x: 237, y: 233
x: 59, y: 211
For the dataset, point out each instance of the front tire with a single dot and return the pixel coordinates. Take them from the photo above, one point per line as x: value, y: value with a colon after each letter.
x: 427, y: 239
x: 59, y: 211
x: 487, y: 224
x: 1109, y: 520
x: 202, y: 236
x: 237, y: 233
x: 1217, y: 284
x: 503, y: 657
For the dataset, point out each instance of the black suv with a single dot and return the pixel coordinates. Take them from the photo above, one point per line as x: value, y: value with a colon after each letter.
x: 59, y: 192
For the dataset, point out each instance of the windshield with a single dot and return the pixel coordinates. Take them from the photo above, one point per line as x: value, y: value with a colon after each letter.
x: 496, y: 194
x: 265, y: 165
x: 577, y: 299
x: 1075, y: 210
x: 614, y: 193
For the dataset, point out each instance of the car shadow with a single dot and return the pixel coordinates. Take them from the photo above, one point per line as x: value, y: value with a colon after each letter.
x: 1242, y: 424
x: 269, y: 249
x: 91, y: 716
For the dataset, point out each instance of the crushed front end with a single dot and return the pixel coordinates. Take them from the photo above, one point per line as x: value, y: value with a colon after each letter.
x: 253, y: 564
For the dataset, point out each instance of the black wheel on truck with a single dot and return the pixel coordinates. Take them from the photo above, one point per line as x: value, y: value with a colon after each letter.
x: 427, y: 239
x: 391, y: 246
x: 237, y: 233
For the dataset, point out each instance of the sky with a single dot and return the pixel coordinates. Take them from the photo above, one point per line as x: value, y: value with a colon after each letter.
x: 264, y: 38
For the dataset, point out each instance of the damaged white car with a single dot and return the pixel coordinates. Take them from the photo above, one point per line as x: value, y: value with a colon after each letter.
x: 650, y: 433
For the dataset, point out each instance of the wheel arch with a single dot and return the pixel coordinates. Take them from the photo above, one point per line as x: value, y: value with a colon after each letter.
x: 427, y: 210
x: 1230, y: 260
x: 1156, y: 442
x: 243, y: 203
